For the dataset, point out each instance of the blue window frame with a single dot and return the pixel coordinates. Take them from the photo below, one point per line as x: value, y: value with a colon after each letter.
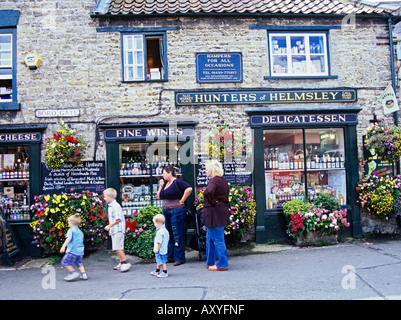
x: 299, y: 54
x: 8, y: 69
x: 144, y: 56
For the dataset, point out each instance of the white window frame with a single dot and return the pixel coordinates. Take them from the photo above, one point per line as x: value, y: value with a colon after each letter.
x: 135, y: 65
x: 289, y: 54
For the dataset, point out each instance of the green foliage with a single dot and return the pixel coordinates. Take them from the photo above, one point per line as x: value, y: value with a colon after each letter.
x: 140, y: 233
x: 294, y: 206
x: 146, y: 215
x: 328, y: 202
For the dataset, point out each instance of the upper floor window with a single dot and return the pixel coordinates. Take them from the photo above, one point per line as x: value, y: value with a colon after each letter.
x: 6, y: 67
x: 298, y: 54
x: 144, y: 57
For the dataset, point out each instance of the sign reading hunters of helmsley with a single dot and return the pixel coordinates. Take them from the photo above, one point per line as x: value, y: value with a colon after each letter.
x: 265, y: 96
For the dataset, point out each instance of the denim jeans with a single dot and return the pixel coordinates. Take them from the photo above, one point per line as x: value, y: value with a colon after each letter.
x: 175, y: 224
x: 216, y: 247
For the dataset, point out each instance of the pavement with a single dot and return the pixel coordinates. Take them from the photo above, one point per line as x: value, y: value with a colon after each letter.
x: 353, y: 269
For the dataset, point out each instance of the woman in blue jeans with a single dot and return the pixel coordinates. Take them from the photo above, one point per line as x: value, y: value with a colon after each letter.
x: 217, y: 216
x: 174, y: 192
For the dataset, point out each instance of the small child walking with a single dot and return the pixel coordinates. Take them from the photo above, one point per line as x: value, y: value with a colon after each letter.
x: 160, y: 246
x: 74, y: 247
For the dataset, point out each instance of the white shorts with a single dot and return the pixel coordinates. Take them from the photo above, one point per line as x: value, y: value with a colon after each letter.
x: 117, y: 241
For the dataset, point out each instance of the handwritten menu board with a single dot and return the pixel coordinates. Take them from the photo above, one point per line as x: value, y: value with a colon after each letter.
x: 238, y: 171
x: 11, y: 248
x: 90, y: 175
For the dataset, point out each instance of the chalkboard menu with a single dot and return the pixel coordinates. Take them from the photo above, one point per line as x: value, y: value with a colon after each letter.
x: 237, y: 172
x: 90, y: 175
x: 11, y: 248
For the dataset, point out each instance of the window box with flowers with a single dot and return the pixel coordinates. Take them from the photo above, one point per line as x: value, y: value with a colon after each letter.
x: 315, y: 223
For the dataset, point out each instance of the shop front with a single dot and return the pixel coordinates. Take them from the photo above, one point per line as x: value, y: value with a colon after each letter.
x: 136, y: 154
x: 20, y: 172
x: 299, y: 153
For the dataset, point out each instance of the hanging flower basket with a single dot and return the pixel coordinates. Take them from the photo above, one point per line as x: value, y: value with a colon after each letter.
x: 64, y: 147
x: 384, y: 141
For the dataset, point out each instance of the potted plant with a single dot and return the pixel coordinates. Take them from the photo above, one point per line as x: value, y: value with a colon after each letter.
x: 314, y: 224
x: 64, y: 147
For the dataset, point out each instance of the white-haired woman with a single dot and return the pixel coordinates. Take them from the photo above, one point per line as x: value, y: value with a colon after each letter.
x: 217, y: 216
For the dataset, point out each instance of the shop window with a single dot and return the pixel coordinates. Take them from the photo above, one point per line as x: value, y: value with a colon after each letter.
x: 301, y: 163
x: 144, y: 57
x: 298, y: 54
x: 141, y: 166
x: 14, y: 182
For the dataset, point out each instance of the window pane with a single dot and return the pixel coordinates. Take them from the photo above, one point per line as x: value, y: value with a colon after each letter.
x: 280, y: 64
x: 279, y: 45
x: 5, y: 50
x: 297, y: 45
x: 139, y: 57
x: 299, y: 64
x: 326, y: 163
x: 318, y: 64
x: 130, y: 58
x: 284, y: 166
x: 128, y: 42
x: 129, y: 73
x: 138, y: 43
x: 139, y: 72
x: 316, y: 44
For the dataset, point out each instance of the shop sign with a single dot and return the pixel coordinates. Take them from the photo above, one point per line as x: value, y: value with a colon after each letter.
x: 54, y: 113
x: 130, y: 133
x: 20, y: 137
x: 186, y: 98
x: 293, y: 119
x: 215, y: 67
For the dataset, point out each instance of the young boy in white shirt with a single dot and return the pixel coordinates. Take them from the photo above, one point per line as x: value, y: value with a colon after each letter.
x: 116, y: 228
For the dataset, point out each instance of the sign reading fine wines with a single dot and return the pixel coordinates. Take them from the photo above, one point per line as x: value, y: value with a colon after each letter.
x: 186, y: 98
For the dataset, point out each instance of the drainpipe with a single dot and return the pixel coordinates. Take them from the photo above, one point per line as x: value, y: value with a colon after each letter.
x: 395, y: 115
x: 390, y: 32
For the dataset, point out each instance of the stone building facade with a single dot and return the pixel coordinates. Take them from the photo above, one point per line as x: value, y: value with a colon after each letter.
x: 80, y: 47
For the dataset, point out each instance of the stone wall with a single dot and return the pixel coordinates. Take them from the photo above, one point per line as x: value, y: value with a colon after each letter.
x: 81, y: 68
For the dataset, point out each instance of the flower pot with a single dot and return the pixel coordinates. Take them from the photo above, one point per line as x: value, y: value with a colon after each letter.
x: 315, y: 238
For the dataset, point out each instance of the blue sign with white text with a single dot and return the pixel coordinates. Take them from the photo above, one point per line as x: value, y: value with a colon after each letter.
x: 214, y: 67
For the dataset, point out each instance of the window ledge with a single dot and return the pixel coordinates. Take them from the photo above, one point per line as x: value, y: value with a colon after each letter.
x: 300, y: 77
x: 10, y: 106
x: 136, y: 81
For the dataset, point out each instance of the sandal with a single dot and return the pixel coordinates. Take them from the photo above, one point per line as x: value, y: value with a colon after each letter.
x: 214, y: 268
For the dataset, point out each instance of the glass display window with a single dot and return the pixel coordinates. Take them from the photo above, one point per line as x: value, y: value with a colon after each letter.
x: 14, y: 182
x: 301, y: 163
x: 141, y: 166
